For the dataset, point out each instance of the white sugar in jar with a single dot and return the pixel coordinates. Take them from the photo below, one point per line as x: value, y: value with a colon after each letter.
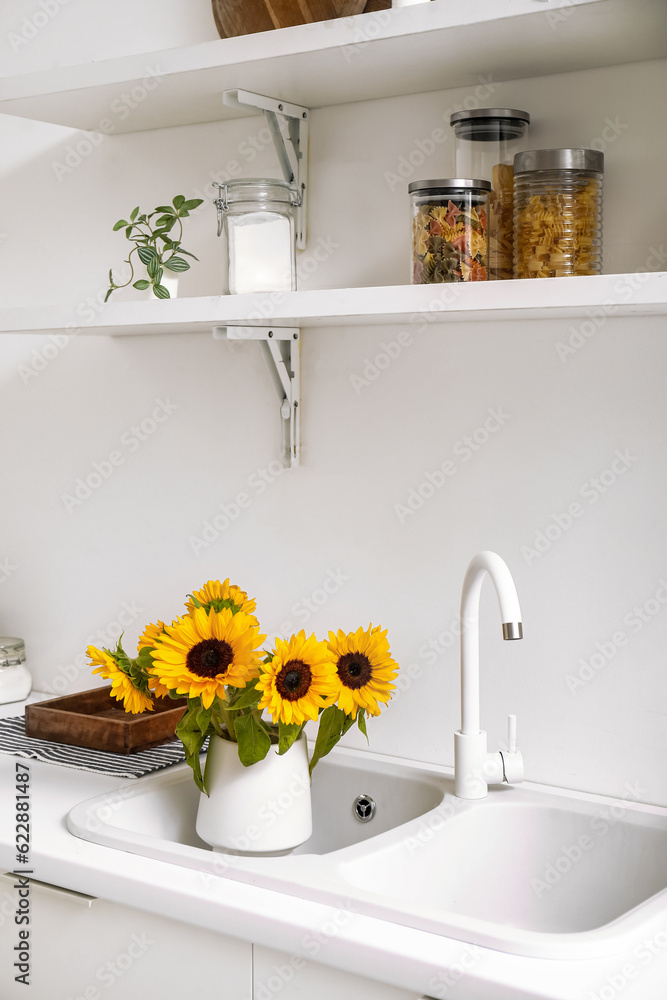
x: 15, y: 680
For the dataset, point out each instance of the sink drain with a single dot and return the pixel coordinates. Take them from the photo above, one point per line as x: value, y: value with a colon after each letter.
x: 363, y: 808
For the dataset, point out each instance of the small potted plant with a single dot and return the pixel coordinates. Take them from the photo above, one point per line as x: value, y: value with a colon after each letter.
x: 252, y: 706
x: 153, y: 245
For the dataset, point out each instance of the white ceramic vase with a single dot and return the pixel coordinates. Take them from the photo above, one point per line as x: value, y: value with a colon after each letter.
x: 256, y: 810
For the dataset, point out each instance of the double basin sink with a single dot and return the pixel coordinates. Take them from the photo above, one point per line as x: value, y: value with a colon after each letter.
x: 529, y: 870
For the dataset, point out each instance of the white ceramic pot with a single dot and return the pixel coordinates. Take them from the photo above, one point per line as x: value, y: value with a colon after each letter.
x: 261, y: 809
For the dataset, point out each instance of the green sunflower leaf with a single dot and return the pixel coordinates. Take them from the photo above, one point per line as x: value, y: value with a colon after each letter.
x: 361, y: 722
x: 248, y: 698
x: 287, y: 736
x: 334, y: 723
x: 203, y: 718
x: 253, y: 740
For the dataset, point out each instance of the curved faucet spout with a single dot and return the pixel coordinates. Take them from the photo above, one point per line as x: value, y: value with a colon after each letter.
x: 491, y: 563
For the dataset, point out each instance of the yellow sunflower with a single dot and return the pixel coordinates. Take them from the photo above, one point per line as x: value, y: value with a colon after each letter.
x: 299, y: 680
x: 150, y: 635
x: 218, y: 595
x: 122, y: 688
x: 148, y: 640
x: 201, y: 653
x: 364, y: 669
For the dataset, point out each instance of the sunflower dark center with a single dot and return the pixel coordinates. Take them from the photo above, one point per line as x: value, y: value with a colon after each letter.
x: 209, y: 658
x: 294, y: 680
x: 354, y: 670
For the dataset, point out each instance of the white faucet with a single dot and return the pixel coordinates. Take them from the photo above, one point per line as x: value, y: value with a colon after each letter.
x: 474, y: 767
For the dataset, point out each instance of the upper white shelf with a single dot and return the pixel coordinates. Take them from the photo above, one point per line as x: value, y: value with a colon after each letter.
x: 413, y: 305
x: 409, y: 50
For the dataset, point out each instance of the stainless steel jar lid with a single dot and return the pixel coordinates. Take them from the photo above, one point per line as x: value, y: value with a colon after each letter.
x: 445, y: 183
x: 501, y: 114
x: 559, y: 159
x: 12, y: 651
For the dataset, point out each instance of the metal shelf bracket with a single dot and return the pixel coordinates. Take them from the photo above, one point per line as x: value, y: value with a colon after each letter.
x: 292, y: 150
x: 281, y: 348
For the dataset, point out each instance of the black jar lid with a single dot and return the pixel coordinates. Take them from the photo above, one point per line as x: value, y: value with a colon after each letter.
x: 559, y: 159
x: 447, y: 183
x: 503, y: 123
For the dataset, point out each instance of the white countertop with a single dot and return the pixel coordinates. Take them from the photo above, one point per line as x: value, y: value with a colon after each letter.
x: 397, y: 955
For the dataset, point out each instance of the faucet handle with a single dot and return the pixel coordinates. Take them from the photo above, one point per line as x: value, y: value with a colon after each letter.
x: 511, y: 733
x: 512, y: 759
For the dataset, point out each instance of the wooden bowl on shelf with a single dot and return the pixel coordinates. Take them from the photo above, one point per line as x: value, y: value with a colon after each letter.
x: 244, y: 17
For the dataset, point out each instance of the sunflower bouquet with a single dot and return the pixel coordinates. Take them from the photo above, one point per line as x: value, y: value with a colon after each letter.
x: 236, y: 690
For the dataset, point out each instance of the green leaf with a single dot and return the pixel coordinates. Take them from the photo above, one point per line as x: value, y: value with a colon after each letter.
x: 106, y: 297
x: 153, y: 266
x: 147, y: 254
x: 334, y: 723
x: 248, y: 699
x: 163, y: 220
x: 254, y: 742
x: 128, y: 232
x: 181, y: 250
x: 287, y: 735
x: 203, y: 718
x: 142, y: 284
x: 183, y: 213
x: 176, y: 264
x: 361, y: 722
x: 161, y: 292
x: 110, y: 277
x: 178, y: 201
x: 165, y: 209
x: 135, y: 213
x: 193, y: 761
x: 193, y: 203
x: 120, y: 224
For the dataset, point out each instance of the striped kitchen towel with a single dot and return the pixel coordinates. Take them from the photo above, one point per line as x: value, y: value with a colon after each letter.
x: 13, y: 740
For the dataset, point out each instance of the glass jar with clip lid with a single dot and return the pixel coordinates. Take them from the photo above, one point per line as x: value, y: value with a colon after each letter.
x: 258, y: 217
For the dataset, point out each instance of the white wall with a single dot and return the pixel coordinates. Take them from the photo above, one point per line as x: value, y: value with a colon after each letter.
x: 365, y: 448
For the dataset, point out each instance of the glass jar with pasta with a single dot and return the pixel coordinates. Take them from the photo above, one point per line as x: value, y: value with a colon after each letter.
x: 558, y: 213
x: 487, y: 140
x: 450, y: 230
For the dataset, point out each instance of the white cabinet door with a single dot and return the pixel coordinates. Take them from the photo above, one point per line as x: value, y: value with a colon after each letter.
x: 280, y: 976
x: 83, y: 948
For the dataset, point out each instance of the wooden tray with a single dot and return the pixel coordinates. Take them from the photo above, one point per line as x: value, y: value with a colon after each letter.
x: 94, y: 719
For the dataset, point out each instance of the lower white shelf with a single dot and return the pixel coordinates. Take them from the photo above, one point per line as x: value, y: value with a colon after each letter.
x: 634, y: 294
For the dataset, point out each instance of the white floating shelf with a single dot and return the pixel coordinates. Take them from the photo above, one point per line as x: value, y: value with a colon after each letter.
x: 543, y: 298
x: 409, y: 50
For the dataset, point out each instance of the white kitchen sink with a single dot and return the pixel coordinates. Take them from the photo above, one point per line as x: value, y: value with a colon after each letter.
x: 528, y: 870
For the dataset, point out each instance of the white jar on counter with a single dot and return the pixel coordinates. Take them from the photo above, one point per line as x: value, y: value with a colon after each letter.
x: 15, y: 680
x: 258, y: 216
